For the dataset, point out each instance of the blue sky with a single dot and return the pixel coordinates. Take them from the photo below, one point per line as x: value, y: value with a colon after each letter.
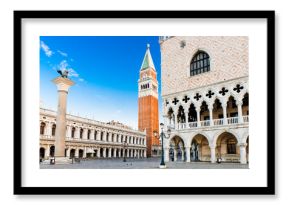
x: 105, y: 70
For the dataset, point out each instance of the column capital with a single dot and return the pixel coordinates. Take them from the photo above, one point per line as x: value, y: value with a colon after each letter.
x: 242, y: 144
x: 239, y: 102
x: 63, y: 84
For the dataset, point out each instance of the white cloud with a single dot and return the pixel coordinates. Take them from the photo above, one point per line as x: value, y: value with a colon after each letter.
x: 46, y: 49
x: 62, y: 53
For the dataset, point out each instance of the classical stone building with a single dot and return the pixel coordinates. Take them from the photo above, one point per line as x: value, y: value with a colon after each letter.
x: 205, y: 98
x: 86, y: 138
x: 148, y: 117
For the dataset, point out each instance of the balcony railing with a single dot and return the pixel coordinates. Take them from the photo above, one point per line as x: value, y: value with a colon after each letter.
x: 207, y: 123
x: 218, y: 122
x: 192, y: 124
x: 233, y: 120
x: 246, y: 119
x: 47, y: 137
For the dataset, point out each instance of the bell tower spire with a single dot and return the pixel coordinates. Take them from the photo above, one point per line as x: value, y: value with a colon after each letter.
x: 148, y: 102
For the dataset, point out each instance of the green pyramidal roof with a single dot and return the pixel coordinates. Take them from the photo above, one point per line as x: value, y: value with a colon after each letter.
x: 147, y: 61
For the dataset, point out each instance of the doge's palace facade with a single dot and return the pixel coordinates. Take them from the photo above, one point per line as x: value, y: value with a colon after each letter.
x: 205, y: 93
x: 86, y: 138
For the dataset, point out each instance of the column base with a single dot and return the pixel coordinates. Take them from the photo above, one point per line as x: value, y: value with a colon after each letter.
x: 162, y: 166
x: 62, y: 160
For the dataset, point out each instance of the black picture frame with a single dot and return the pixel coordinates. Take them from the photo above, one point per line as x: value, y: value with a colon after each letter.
x: 19, y: 189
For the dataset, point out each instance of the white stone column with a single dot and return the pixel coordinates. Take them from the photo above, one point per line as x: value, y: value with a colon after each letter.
x: 99, y: 135
x: 224, y: 105
x: 115, y: 153
x: 63, y: 85
x: 85, y: 153
x: 166, y: 154
x: 47, y: 152
x: 110, y: 137
x: 175, y: 154
x: 99, y: 152
x: 77, y: 132
x: 110, y: 151
x: 48, y: 129
x: 187, y: 149
x: 144, y: 153
x: 175, y: 120
x: 85, y: 133
x: 186, y: 118
x: 104, y: 152
x: 243, y: 153
x: 77, y: 152
x: 67, y: 152
x: 68, y: 132
x: 92, y: 134
x: 210, y: 108
x: 197, y: 109
x: 212, y: 154
x: 182, y: 154
x: 105, y: 136
x: 240, y: 113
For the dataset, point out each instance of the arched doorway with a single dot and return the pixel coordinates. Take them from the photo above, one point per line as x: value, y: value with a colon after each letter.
x: 204, y: 114
x: 170, y: 116
x: 41, y: 153
x: 227, y: 147
x: 232, y: 111
x: 200, y: 150
x: 81, y: 153
x: 42, y: 128
x: 217, y: 112
x: 192, y: 116
x: 107, y: 152
x: 101, y: 152
x: 51, y: 151
x: 72, y: 153
x: 112, y: 152
x: 178, y: 148
x: 53, y: 129
x: 180, y: 115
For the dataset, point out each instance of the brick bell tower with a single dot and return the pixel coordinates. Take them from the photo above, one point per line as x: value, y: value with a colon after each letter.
x: 148, y: 103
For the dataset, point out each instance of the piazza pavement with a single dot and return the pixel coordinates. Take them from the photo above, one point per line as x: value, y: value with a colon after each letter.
x: 148, y: 163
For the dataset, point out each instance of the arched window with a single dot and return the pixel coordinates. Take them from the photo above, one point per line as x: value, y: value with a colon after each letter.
x: 81, y: 133
x: 199, y: 63
x: 42, y: 126
x: 53, y: 129
x: 73, y: 132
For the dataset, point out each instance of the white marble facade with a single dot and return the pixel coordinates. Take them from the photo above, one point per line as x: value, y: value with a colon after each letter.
x: 208, y: 120
x: 86, y: 138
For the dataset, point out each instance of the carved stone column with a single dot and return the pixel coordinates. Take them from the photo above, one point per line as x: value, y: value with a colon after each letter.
x: 243, y: 153
x: 212, y: 154
x: 187, y: 150
x: 224, y: 105
x: 63, y: 85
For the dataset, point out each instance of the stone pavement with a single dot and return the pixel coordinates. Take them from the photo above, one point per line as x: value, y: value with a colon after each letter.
x: 150, y: 163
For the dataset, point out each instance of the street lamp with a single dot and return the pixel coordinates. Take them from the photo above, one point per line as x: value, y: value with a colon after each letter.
x: 162, y: 135
x: 124, y: 146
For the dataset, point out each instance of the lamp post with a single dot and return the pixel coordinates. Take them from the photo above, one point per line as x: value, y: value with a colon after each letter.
x: 124, y: 146
x: 162, y: 135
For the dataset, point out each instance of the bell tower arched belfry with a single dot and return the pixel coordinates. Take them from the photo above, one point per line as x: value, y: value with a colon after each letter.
x: 148, y: 101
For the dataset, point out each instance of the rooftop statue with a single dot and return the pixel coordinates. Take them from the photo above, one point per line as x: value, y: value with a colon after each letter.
x: 63, y: 73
